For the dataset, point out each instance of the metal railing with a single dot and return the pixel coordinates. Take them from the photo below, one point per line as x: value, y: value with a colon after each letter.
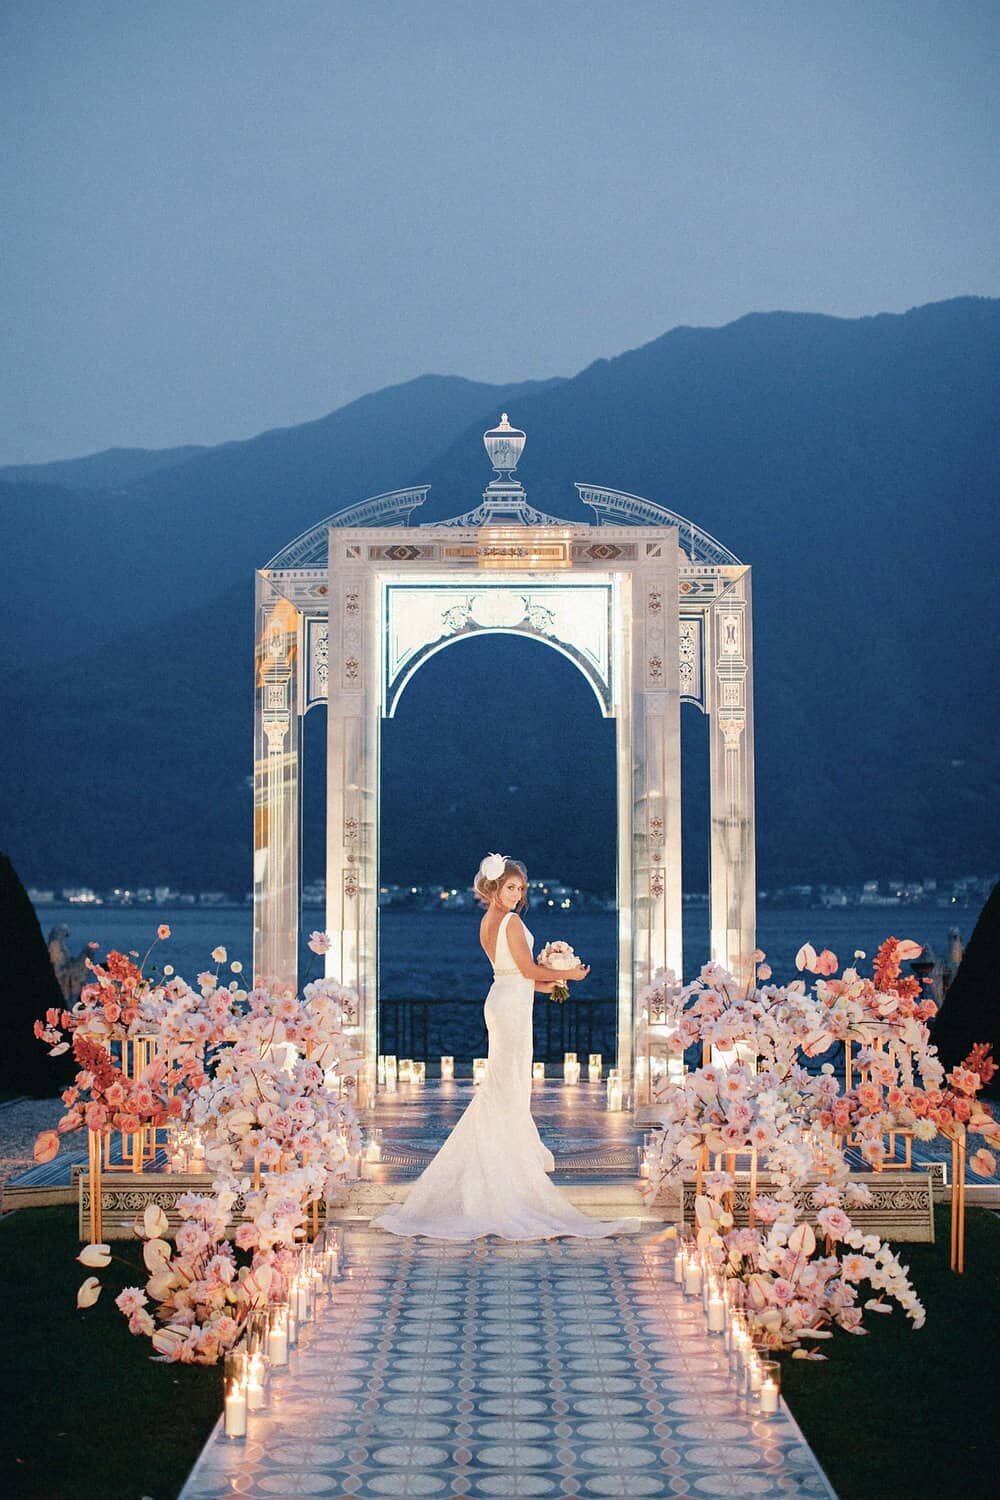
x: 430, y: 1029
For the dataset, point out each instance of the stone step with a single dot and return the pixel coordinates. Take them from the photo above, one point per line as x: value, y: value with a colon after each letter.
x: 604, y: 1198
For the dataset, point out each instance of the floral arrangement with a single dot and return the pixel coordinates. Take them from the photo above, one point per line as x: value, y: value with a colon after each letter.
x: 259, y: 1076
x: 757, y: 1097
x: 557, y: 956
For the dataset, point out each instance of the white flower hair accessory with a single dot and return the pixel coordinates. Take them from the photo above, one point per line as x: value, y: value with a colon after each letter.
x: 493, y: 866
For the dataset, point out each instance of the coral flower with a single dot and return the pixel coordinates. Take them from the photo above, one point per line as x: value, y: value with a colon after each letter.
x: 163, y: 932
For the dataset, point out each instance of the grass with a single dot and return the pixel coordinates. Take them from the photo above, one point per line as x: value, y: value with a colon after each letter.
x: 897, y: 1415
x: 900, y: 1415
x: 87, y: 1415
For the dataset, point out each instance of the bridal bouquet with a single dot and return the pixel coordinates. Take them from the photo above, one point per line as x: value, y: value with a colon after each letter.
x: 558, y: 956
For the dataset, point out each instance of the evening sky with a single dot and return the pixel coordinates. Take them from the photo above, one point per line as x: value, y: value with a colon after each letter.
x: 227, y: 215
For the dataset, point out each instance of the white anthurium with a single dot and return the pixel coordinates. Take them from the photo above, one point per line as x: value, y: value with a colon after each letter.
x: 156, y: 1253
x: 96, y: 1256
x: 89, y: 1292
x: 161, y: 1284
x: 154, y: 1222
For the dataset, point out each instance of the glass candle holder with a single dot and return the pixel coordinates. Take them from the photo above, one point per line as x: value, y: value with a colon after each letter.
x: 277, y: 1335
x: 680, y: 1261
x: 769, y: 1393
x: 755, y: 1359
x: 256, y: 1382
x: 235, y: 1389
x: 373, y: 1151
x: 478, y: 1069
x: 447, y: 1069
x: 594, y: 1067
x: 405, y: 1073
x: 256, y: 1332
x: 538, y: 1072
x: 418, y: 1072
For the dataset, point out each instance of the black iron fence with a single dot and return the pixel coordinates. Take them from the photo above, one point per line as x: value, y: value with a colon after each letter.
x: 431, y: 1029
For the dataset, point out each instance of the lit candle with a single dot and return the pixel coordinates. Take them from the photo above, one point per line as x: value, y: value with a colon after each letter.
x: 418, y: 1072
x: 277, y: 1341
x: 770, y: 1385
x: 405, y: 1070
x: 478, y: 1069
x: 373, y: 1151
x: 680, y: 1257
x: 389, y: 1063
x: 255, y: 1398
x: 594, y: 1067
x: 538, y: 1072
x: 569, y: 1067
x: 236, y: 1413
x: 447, y: 1068
x: 692, y: 1277
x: 716, y: 1315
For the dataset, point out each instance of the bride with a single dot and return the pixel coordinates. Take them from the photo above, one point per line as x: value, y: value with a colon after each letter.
x: 490, y: 1175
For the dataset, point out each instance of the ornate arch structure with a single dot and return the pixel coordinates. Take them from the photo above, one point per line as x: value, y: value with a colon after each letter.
x: 652, y: 609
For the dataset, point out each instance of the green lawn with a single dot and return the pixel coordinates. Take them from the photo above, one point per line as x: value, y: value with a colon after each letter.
x: 900, y: 1415
x: 86, y: 1414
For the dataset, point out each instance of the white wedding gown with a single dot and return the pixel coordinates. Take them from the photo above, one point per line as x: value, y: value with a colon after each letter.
x: 490, y: 1175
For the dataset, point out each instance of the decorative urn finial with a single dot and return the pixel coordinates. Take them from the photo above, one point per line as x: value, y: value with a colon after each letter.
x: 504, y: 444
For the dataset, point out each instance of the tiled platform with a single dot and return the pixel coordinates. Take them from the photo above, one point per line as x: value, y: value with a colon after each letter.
x: 570, y: 1369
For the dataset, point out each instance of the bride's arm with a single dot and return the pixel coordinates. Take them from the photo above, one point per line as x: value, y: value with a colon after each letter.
x: 521, y: 954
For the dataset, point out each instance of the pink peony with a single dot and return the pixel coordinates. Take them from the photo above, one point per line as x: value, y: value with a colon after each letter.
x: 320, y: 942
x: 834, y: 1222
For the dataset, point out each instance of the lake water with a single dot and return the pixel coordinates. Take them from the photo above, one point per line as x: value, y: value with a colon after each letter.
x: 427, y: 956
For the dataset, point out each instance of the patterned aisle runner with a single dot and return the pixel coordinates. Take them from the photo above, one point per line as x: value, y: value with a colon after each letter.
x: 568, y: 1368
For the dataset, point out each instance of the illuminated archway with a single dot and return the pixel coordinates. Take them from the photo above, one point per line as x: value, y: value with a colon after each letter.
x: 649, y: 607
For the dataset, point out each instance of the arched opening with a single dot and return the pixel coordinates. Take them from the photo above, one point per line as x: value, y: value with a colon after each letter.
x: 695, y: 824
x: 312, y: 839
x: 498, y: 744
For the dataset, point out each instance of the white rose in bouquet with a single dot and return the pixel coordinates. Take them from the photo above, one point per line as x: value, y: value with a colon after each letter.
x: 558, y: 956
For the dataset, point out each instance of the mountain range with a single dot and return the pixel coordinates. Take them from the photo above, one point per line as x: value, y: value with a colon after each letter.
x: 853, y: 463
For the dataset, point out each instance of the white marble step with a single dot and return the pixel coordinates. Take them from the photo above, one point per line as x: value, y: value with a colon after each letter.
x: 609, y: 1199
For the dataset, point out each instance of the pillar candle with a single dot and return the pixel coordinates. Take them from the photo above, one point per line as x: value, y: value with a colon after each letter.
x: 278, y: 1345
x: 236, y: 1413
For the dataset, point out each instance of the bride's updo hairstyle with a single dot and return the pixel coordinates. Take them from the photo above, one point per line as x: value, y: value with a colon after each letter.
x: 494, y: 870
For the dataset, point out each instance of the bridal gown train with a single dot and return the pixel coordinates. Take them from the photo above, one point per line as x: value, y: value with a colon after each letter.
x: 490, y: 1175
